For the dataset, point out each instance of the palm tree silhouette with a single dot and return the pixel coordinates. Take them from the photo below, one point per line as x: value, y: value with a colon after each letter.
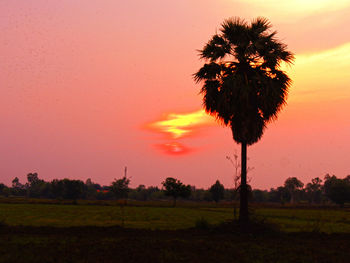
x: 243, y: 85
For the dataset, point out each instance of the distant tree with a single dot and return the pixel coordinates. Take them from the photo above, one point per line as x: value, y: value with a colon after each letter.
x: 292, y: 184
x: 207, y: 196
x: 244, y: 86
x: 176, y: 189
x: 155, y: 193
x: 57, y: 188
x: 17, y: 187
x: 217, y: 191
x: 198, y: 194
x: 141, y: 187
x: 4, y: 190
x: 73, y: 189
x: 140, y: 193
x: 260, y: 196
x: 120, y: 187
x: 68, y: 189
x: 347, y: 178
x: 16, y: 183
x: 105, y: 193
x: 281, y: 195
x: 314, y: 190
x: 91, y: 189
x: 337, y: 190
x: 32, y: 178
x: 37, y: 187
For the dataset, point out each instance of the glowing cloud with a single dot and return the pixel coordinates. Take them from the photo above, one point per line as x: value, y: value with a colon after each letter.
x: 176, y: 126
x: 180, y: 125
x: 337, y: 54
x: 174, y: 148
x: 332, y: 66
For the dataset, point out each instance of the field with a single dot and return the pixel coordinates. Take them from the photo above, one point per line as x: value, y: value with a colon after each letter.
x: 188, y: 233
x: 169, y: 218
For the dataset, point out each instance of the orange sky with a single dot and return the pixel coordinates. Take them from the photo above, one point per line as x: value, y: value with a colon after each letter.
x: 82, y: 82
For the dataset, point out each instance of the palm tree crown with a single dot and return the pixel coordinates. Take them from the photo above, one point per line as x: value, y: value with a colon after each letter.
x: 243, y: 85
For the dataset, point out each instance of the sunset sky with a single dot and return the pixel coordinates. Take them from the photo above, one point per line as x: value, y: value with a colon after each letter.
x: 88, y: 87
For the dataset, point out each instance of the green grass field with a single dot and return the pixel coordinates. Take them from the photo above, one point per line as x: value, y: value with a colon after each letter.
x: 46, y: 232
x: 169, y: 218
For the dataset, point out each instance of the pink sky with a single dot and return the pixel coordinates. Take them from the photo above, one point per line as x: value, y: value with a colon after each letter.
x: 81, y: 79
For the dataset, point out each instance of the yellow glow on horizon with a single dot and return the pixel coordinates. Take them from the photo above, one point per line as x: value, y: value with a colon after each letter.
x: 337, y: 53
x: 323, y: 75
x: 180, y: 125
x: 297, y: 7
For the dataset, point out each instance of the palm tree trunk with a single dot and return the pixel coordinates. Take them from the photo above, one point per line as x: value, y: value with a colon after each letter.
x: 243, y: 211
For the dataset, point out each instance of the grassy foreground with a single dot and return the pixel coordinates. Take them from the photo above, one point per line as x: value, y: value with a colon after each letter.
x: 92, y: 233
x: 98, y: 244
x: 168, y: 218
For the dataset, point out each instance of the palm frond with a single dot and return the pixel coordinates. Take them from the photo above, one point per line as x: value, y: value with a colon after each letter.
x: 236, y: 31
x: 273, y: 94
x: 208, y: 71
x: 215, y: 49
x: 260, y: 25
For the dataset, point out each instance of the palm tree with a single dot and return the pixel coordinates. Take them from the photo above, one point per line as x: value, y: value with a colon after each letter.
x: 243, y: 85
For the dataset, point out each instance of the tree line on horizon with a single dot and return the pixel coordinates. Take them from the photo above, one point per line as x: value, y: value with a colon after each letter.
x: 329, y: 190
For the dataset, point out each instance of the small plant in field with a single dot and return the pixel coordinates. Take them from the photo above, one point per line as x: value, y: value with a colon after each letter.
x: 2, y: 222
x: 202, y: 223
x: 315, y: 226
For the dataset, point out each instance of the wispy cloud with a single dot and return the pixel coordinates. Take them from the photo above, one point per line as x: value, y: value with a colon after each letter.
x: 176, y: 126
x: 320, y: 76
x: 179, y: 125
